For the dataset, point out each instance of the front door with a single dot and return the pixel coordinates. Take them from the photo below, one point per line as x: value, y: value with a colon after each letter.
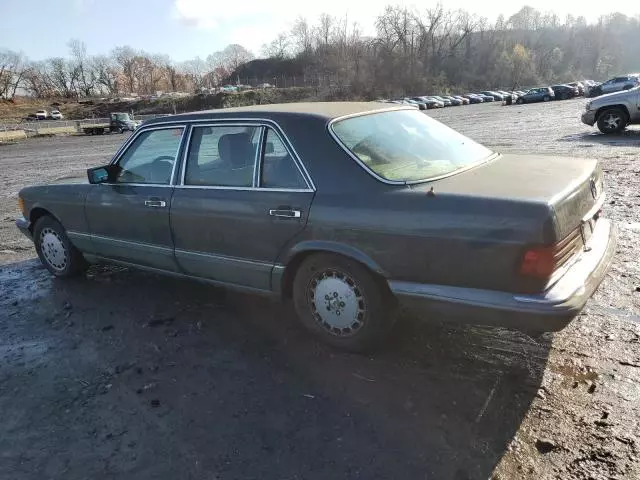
x: 129, y: 216
x: 242, y: 198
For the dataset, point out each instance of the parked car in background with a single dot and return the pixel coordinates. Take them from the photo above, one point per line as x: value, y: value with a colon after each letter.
x: 42, y: 115
x: 433, y: 102
x: 496, y: 96
x: 417, y: 101
x: 473, y: 98
x: 465, y: 101
x: 579, y: 86
x: 420, y: 217
x: 540, y: 94
x: 486, y: 98
x: 616, y: 84
x: 454, y: 101
x: 564, y: 92
x: 613, y: 112
x: 444, y: 101
x: 56, y: 115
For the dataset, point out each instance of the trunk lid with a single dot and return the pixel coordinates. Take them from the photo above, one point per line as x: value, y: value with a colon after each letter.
x: 570, y: 187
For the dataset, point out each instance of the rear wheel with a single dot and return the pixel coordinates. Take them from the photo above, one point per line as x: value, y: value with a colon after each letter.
x: 612, y: 120
x: 342, y: 302
x: 55, y: 250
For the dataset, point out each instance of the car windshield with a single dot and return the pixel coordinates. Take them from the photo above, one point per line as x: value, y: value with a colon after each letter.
x: 407, y: 146
x: 123, y: 117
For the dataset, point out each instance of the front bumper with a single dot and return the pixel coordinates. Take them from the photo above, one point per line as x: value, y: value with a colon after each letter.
x: 548, y: 311
x: 25, y: 227
x: 589, y: 117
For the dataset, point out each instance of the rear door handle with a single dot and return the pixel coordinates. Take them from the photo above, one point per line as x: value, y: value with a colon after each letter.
x: 285, y: 213
x: 155, y: 203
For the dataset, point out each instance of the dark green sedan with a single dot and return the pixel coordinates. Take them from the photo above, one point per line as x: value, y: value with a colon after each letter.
x: 351, y: 210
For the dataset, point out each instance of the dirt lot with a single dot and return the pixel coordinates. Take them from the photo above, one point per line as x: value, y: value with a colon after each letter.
x: 129, y: 375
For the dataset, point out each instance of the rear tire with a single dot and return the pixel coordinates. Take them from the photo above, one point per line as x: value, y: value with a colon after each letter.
x: 55, y: 250
x: 342, y: 302
x: 612, y: 120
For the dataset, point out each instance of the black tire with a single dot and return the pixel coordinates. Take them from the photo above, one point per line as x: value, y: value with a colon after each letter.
x: 55, y: 250
x: 612, y: 120
x: 350, y: 289
x: 546, y: 98
x: 520, y: 101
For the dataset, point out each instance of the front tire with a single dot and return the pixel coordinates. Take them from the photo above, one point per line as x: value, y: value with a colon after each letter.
x: 546, y: 98
x: 519, y: 101
x: 55, y: 250
x: 612, y: 120
x: 342, y: 302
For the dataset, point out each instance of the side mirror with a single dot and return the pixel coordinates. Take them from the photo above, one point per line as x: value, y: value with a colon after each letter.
x: 98, y: 175
x: 268, y: 148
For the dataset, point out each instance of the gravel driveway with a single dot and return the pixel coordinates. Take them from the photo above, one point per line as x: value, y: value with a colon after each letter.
x: 128, y: 375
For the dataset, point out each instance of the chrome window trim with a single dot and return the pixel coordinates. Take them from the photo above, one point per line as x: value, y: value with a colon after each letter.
x: 245, y: 189
x: 249, y: 122
x: 304, y: 174
x: 493, y: 155
x: 258, y: 170
x: 116, y: 158
x: 260, y: 120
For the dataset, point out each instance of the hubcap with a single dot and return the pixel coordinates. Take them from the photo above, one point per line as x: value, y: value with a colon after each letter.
x: 53, y: 249
x: 612, y: 121
x: 336, y: 302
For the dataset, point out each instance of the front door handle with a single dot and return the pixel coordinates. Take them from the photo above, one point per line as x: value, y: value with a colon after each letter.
x: 285, y: 213
x: 155, y: 203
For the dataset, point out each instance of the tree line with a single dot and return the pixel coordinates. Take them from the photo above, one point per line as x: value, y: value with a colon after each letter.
x: 412, y: 51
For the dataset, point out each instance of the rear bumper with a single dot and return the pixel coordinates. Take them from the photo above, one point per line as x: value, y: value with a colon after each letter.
x: 25, y: 227
x: 551, y: 310
x: 589, y: 118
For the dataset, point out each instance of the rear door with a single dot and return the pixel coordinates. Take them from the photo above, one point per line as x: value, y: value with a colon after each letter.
x: 243, y: 196
x: 128, y: 218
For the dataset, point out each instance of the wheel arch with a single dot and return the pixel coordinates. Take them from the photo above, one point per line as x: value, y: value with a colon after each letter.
x: 609, y: 107
x: 37, y: 212
x: 295, y: 257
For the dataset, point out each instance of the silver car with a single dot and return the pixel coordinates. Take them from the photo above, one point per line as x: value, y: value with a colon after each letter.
x: 613, y: 112
x: 616, y: 84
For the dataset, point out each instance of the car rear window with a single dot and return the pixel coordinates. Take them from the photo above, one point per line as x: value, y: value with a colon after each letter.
x: 407, y: 145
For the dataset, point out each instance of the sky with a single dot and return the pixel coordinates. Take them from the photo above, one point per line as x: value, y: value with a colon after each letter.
x: 184, y: 29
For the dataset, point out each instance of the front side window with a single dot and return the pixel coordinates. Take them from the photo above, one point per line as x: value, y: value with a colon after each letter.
x: 150, y: 158
x: 222, y: 156
x: 278, y: 167
x: 407, y: 146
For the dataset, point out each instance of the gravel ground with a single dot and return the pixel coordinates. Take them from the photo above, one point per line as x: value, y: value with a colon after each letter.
x: 128, y: 375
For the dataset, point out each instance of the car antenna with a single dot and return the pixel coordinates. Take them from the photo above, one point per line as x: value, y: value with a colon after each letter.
x: 431, y: 193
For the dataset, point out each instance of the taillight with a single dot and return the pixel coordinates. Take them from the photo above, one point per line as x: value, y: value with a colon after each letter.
x: 538, y: 262
x: 541, y: 261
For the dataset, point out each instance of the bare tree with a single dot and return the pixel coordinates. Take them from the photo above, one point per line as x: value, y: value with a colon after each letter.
x: 106, y: 71
x: 125, y: 57
x: 235, y: 55
x: 12, y: 70
x: 83, y: 66
x: 278, y: 48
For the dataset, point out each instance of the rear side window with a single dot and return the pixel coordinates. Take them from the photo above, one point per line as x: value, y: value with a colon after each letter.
x: 222, y: 156
x: 279, y: 169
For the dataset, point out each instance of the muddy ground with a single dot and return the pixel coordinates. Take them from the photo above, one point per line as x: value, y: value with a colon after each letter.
x: 129, y: 375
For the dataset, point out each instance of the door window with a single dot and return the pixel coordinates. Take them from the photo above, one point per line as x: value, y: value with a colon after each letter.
x: 222, y: 156
x: 150, y: 158
x: 279, y: 170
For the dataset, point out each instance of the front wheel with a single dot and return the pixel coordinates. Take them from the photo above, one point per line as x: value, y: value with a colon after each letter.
x: 520, y: 101
x: 546, y: 98
x: 612, y: 120
x: 342, y: 302
x: 55, y: 250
